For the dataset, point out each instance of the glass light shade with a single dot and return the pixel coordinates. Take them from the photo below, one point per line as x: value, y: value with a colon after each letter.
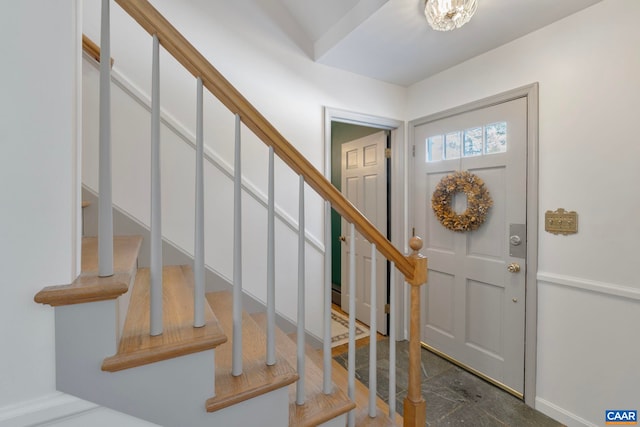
x: 446, y: 15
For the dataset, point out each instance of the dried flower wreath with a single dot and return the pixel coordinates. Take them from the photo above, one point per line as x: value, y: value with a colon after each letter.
x: 478, y: 201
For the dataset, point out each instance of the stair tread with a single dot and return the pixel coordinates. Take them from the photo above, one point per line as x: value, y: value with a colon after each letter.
x: 257, y: 378
x: 137, y: 347
x: 89, y: 287
x: 340, y: 378
x: 319, y: 407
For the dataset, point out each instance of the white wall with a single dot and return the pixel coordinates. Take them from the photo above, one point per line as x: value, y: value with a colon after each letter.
x: 281, y: 81
x: 589, y: 293
x: 39, y: 192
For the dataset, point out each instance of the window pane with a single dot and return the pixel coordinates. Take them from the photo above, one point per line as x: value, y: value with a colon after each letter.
x: 452, y: 145
x: 434, y: 148
x: 496, y: 136
x: 472, y: 142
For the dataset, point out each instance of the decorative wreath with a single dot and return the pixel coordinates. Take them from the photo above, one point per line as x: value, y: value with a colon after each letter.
x: 478, y: 201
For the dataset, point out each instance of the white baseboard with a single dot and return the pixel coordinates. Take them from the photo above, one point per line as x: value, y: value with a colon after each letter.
x: 64, y: 410
x: 99, y: 417
x: 561, y: 415
x: 42, y: 409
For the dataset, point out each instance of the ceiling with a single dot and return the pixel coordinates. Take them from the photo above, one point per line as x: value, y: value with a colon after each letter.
x: 390, y: 40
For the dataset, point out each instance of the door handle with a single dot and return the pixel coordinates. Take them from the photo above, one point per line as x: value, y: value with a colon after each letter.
x: 342, y: 238
x: 514, y: 267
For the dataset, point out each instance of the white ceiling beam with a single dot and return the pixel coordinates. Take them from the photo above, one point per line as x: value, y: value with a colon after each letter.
x: 349, y: 22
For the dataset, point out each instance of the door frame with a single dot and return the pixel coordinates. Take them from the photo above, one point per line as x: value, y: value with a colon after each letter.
x: 530, y: 93
x: 398, y: 199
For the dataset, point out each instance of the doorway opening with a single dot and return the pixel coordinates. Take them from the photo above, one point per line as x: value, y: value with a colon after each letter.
x: 342, y: 128
x: 342, y: 133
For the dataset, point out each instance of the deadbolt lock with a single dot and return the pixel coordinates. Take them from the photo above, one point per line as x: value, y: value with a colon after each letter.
x: 517, y: 241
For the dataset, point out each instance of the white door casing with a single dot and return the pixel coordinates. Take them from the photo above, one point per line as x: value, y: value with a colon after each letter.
x: 364, y: 184
x: 473, y: 307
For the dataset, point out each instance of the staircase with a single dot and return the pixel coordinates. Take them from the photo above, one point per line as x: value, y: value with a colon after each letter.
x: 102, y: 327
x: 128, y: 341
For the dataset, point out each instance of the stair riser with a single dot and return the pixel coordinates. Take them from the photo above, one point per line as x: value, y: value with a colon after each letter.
x: 122, y: 306
x: 269, y: 409
x: 170, y: 393
x: 340, y: 421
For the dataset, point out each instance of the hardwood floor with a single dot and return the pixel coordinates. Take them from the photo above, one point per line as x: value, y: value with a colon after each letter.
x: 340, y: 379
x: 363, y: 342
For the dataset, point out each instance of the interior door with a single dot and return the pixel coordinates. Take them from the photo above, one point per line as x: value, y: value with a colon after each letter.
x: 364, y: 183
x: 475, y: 295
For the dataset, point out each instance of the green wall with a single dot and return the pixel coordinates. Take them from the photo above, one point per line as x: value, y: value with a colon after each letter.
x: 340, y: 133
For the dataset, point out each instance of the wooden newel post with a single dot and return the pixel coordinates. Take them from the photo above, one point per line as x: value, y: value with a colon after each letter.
x: 415, y: 407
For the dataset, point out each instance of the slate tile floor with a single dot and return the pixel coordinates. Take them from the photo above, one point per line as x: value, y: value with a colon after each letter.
x: 454, y: 396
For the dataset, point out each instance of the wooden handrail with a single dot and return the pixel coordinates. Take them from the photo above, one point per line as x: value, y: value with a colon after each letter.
x: 92, y: 49
x: 185, y: 53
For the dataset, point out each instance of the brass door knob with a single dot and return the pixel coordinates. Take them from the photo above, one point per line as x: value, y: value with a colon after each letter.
x: 514, y: 267
x: 342, y: 238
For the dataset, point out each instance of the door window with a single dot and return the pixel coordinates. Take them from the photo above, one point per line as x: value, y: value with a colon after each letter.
x: 476, y: 141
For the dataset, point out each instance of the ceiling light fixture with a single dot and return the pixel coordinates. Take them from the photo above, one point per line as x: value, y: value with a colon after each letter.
x: 446, y: 15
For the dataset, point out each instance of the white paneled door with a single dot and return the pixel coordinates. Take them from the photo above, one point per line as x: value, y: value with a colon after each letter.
x: 364, y: 183
x: 474, y: 301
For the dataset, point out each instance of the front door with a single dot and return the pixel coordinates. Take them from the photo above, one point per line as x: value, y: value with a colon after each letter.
x: 475, y: 295
x: 364, y: 184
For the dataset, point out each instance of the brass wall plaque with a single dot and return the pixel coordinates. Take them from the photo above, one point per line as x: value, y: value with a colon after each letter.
x: 561, y: 222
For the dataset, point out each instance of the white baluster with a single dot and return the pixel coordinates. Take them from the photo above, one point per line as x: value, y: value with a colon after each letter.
x: 155, y: 240
x: 271, y: 266
x: 373, y: 379
x: 327, y: 385
x: 351, y: 359
x: 198, y: 258
x: 236, y: 368
x: 392, y: 344
x: 105, y: 210
x: 300, y: 396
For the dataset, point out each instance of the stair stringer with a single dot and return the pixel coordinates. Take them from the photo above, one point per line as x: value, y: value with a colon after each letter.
x: 171, y: 392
